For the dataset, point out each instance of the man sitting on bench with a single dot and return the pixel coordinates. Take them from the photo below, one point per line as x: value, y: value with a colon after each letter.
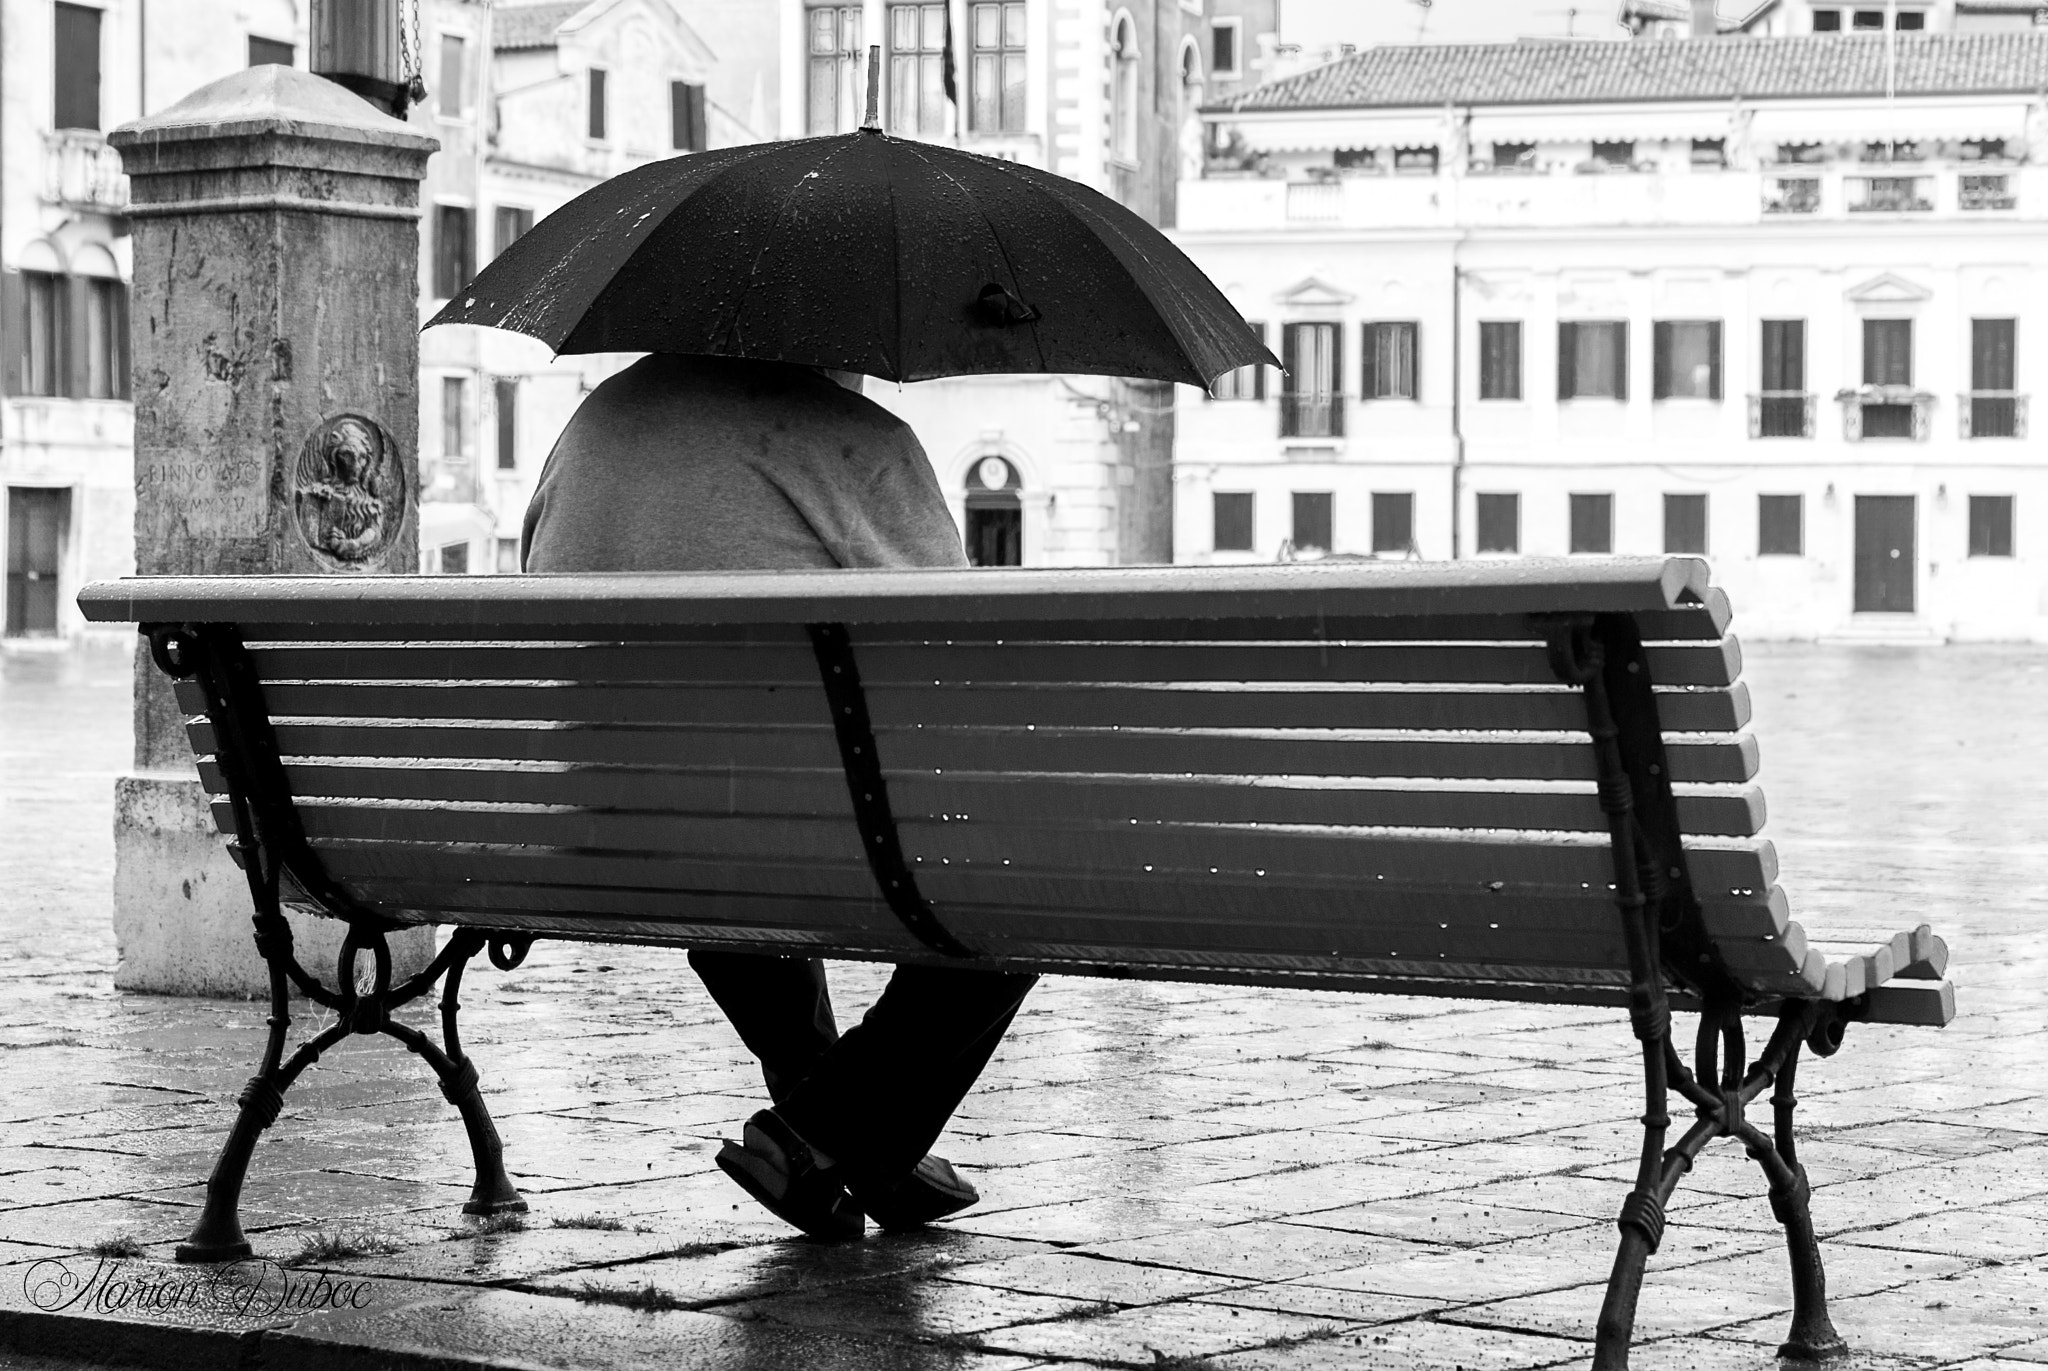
x: 716, y: 464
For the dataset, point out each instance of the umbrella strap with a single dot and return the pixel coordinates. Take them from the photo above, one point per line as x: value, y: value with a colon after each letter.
x: 870, y: 793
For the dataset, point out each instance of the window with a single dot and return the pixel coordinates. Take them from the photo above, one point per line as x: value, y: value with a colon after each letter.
x: 1223, y: 48
x: 1393, y: 523
x: 508, y: 556
x: 1782, y: 408
x: 1983, y: 150
x: 1592, y: 361
x: 1802, y: 154
x: 454, y: 418
x: 1888, y: 194
x: 1246, y: 383
x: 1985, y: 192
x: 1792, y: 195
x: 1991, y: 525
x: 1911, y: 21
x: 1780, y: 526
x: 509, y: 223
x: 835, y: 68
x: 1592, y: 523
x: 996, y: 76
x: 1500, y: 359
x: 1685, y: 524
x: 1311, y: 406
x: 1419, y: 161
x: 78, y: 67
x: 1312, y: 520
x: 1514, y: 156
x: 505, y: 402
x: 917, y: 50
x: 1827, y: 21
x: 1866, y: 21
x: 1887, y: 352
x: 1500, y: 522
x: 1994, y: 408
x: 454, y: 558
x: 43, y: 302
x: 1710, y: 152
x: 1389, y: 361
x: 268, y: 52
x: 1686, y: 359
x: 686, y: 128
x: 599, y: 105
x: 106, y: 310
x: 454, y: 250
x: 454, y: 53
x: 1619, y: 155
x: 1233, y: 510
x: 1123, y: 93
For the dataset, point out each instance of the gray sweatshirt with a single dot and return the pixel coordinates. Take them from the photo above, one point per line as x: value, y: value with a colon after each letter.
x: 707, y: 464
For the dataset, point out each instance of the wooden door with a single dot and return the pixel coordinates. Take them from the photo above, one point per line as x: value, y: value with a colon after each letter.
x: 1885, y: 558
x: 34, y: 527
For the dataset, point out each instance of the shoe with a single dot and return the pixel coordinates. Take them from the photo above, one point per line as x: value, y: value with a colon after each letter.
x: 932, y: 1190
x: 776, y: 1167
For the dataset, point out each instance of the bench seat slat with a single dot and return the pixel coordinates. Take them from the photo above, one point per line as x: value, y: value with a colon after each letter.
x: 1732, y: 759
x: 1704, y: 664
x: 1691, y: 625
x: 1020, y: 930
x: 1009, y: 798
x: 1450, y: 860
x: 1540, y: 709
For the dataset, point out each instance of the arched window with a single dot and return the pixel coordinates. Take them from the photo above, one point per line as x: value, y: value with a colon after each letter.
x: 995, y: 513
x: 1123, y: 97
x: 99, y: 300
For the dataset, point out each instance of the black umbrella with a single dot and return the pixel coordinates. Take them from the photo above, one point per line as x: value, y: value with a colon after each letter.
x: 866, y: 253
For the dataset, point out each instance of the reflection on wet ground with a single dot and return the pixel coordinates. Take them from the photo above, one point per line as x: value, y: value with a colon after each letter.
x: 1249, y: 1178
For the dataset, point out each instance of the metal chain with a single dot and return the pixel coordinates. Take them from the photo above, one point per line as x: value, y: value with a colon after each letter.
x: 411, y: 58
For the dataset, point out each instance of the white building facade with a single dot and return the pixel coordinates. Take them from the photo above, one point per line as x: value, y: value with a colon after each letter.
x: 1724, y: 296
x: 69, y: 72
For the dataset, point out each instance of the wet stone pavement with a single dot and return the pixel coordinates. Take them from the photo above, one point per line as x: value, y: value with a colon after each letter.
x: 1171, y: 1175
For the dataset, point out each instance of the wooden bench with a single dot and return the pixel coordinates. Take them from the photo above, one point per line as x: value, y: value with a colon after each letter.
x: 1520, y: 781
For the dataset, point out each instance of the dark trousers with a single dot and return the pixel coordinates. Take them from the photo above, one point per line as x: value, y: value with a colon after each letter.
x: 877, y: 1097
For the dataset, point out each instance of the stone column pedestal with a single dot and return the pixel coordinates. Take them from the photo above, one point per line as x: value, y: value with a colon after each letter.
x: 276, y: 377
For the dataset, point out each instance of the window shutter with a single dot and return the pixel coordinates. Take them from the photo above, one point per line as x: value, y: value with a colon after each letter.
x: 1414, y: 378
x: 1369, y: 362
x: 1621, y: 360
x: 1567, y: 361
x: 1336, y: 381
x: 13, y: 334
x: 1660, y: 360
x: 700, y: 132
x: 1259, y: 372
x: 1714, y: 360
x: 73, y: 366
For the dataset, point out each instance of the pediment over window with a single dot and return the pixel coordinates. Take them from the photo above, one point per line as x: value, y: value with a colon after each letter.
x: 1888, y: 289
x: 1313, y: 292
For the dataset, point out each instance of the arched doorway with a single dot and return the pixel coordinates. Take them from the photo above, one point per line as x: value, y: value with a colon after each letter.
x: 995, y: 514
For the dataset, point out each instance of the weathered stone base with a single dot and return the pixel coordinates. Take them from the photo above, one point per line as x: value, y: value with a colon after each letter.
x: 181, y: 905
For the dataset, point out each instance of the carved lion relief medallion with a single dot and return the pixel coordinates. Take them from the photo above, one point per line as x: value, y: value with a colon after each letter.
x: 349, y: 490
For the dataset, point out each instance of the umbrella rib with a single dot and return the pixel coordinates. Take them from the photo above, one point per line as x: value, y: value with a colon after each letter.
x: 1043, y: 363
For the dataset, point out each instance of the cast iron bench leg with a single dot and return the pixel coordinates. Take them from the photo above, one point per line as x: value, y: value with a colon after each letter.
x: 1813, y: 1333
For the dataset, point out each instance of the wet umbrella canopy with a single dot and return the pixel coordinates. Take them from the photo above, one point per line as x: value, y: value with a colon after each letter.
x: 866, y: 253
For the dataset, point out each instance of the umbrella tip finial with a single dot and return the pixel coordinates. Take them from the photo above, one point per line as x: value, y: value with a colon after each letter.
x: 874, y: 119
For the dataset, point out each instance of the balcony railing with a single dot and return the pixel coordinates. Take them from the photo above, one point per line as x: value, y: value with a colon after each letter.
x: 1889, y: 194
x: 1781, y: 414
x: 1792, y: 195
x: 1985, y: 192
x: 81, y: 172
x: 1311, y: 416
x: 1992, y: 414
x: 1885, y: 412
x: 1314, y: 202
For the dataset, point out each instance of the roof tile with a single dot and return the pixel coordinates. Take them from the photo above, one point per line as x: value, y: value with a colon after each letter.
x: 518, y: 27
x: 1716, y: 69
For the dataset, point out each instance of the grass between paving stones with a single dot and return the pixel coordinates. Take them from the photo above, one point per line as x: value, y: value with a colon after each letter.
x: 602, y: 1223
x: 121, y: 1245
x: 343, y: 1243
x: 647, y: 1298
